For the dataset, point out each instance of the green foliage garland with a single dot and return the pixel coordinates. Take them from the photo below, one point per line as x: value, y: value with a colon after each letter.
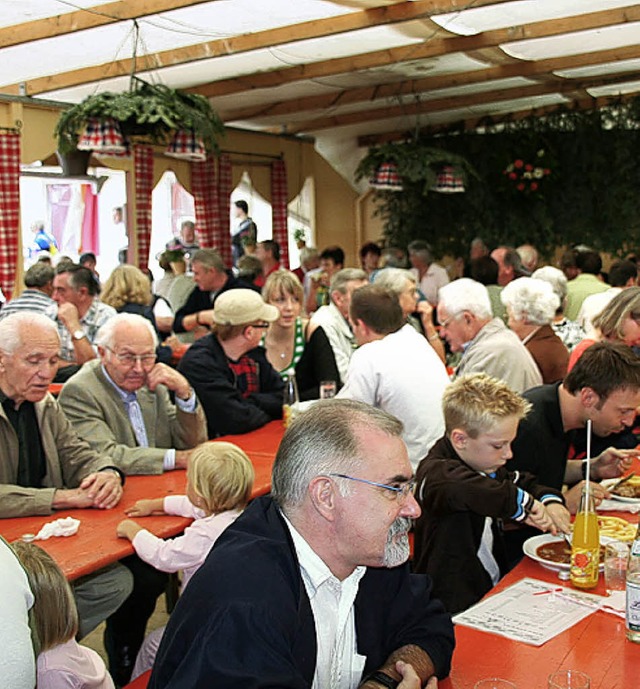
x: 589, y: 193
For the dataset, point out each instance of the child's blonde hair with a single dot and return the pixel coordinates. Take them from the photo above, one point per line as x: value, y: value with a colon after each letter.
x: 54, y: 613
x: 475, y: 403
x: 222, y: 475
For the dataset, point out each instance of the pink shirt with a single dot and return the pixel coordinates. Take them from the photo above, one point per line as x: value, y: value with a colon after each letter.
x: 186, y: 552
x: 71, y: 666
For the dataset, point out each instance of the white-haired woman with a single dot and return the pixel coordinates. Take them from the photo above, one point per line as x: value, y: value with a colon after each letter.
x: 418, y: 313
x: 531, y: 307
x: 570, y: 332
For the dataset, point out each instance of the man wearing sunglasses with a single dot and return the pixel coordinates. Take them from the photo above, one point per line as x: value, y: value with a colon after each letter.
x: 310, y: 587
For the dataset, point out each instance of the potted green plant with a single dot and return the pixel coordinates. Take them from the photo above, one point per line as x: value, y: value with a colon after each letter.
x: 151, y: 112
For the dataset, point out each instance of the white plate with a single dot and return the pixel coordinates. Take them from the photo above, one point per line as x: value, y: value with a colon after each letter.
x: 620, y: 498
x: 532, y: 544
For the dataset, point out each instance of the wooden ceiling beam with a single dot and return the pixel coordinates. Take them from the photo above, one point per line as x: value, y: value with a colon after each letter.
x: 318, y: 28
x: 455, y: 102
x: 433, y: 47
x: 520, y: 68
x: 369, y: 140
x: 89, y: 18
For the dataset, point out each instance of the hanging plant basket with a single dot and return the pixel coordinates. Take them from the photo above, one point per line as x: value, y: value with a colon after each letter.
x: 151, y: 112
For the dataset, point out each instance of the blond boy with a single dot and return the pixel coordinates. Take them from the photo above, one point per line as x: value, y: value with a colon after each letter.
x: 466, y: 493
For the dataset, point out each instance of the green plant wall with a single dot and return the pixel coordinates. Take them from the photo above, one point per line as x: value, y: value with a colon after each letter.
x: 587, y: 189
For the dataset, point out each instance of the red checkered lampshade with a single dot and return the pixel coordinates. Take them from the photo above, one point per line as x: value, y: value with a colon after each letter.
x: 448, y: 181
x: 185, y: 146
x: 103, y: 136
x: 387, y: 178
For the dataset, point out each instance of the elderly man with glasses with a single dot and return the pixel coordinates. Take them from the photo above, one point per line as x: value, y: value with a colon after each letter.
x: 120, y: 402
x: 310, y: 587
x: 239, y: 389
x: 120, y: 405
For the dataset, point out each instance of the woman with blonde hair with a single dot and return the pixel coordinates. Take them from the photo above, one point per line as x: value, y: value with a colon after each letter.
x: 61, y: 661
x: 292, y: 343
x: 128, y: 290
x: 619, y: 321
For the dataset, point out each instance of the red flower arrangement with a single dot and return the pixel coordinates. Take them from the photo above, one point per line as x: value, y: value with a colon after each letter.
x: 526, y: 177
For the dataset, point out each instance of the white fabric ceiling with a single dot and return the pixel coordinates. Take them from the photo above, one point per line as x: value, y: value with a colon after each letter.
x: 588, y: 48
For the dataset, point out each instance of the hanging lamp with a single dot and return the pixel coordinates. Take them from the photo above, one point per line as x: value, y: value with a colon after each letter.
x: 186, y: 146
x: 102, y: 136
x: 387, y: 177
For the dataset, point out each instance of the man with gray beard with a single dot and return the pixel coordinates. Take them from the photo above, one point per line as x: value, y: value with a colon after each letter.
x: 310, y: 588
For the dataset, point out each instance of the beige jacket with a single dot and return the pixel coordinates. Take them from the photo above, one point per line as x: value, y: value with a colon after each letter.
x: 69, y: 460
x: 98, y: 415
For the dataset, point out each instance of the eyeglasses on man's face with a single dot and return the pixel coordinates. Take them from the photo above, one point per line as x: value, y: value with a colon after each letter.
x: 130, y: 360
x: 399, y: 492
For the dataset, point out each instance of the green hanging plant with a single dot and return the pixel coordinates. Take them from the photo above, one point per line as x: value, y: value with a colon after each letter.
x: 151, y: 111
x: 417, y: 163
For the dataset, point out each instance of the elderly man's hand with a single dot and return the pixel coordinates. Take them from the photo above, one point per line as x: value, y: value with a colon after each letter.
x: 104, y: 488
x: 612, y: 463
x: 169, y: 377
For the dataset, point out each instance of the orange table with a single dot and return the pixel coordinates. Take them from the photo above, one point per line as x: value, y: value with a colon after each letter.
x: 597, y: 646
x: 96, y: 544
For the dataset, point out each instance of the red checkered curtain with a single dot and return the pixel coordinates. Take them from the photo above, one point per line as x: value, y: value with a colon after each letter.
x: 143, y: 162
x: 9, y: 209
x: 224, y: 205
x: 279, y: 209
x: 205, y: 196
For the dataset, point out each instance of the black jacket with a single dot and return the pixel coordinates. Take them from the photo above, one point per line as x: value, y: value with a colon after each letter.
x: 245, y: 619
x: 201, y: 301
x: 206, y: 367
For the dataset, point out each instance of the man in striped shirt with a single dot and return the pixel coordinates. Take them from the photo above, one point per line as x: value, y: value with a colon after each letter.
x: 37, y: 297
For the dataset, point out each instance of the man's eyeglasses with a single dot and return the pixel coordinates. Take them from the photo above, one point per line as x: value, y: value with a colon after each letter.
x: 146, y: 360
x: 398, y: 492
x: 446, y: 321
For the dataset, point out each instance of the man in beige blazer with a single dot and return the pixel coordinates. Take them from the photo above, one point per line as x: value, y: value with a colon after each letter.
x: 120, y: 405
x: 120, y: 402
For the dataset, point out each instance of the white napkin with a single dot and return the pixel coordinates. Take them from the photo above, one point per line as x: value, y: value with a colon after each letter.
x: 615, y: 603
x: 59, y: 527
x: 618, y: 506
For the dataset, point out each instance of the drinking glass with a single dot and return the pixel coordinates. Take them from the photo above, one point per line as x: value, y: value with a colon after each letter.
x: 494, y: 683
x: 569, y: 679
x: 616, y: 556
x: 327, y: 389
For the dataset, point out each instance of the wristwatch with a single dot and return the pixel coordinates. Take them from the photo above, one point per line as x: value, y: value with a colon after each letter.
x: 78, y: 334
x: 383, y: 679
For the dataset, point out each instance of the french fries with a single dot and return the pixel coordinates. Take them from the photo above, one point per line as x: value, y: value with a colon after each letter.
x: 615, y: 527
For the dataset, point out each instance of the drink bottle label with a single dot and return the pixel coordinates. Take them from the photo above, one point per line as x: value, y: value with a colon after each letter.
x: 633, y: 606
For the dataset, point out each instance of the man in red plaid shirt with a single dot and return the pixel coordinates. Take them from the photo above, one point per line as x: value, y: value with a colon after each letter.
x: 238, y: 388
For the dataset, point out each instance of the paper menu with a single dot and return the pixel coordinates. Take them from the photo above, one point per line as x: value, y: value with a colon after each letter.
x: 530, y: 611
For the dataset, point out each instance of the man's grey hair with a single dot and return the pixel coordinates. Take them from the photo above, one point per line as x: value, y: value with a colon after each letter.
x: 11, y: 327
x: 531, y: 299
x: 322, y: 441
x: 209, y: 258
x: 394, y: 279
x: 39, y: 275
x: 105, y: 337
x: 340, y: 280
x: 556, y: 278
x: 465, y: 294
x: 421, y: 250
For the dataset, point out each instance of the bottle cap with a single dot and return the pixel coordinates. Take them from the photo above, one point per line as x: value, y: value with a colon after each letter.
x: 564, y: 575
x: 28, y: 537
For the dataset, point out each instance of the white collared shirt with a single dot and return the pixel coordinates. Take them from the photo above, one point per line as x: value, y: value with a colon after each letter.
x: 338, y: 664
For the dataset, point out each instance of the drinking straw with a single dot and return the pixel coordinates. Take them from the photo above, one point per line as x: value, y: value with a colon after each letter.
x: 588, y: 461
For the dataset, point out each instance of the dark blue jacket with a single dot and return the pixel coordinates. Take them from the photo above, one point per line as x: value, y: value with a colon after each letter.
x: 206, y: 367
x: 245, y: 619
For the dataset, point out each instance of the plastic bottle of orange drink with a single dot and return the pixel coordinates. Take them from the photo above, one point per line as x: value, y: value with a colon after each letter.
x: 585, y: 551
